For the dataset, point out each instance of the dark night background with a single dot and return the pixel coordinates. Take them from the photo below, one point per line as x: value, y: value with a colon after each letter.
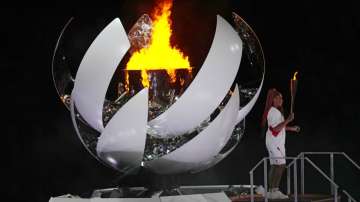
x: 44, y: 157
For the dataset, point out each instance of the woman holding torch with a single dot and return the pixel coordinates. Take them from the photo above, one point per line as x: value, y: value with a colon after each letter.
x: 273, y: 116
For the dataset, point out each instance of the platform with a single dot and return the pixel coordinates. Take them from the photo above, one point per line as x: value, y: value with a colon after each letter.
x: 218, y: 193
x: 301, y: 198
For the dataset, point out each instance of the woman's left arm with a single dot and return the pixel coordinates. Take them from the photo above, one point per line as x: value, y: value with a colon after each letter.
x: 293, y: 128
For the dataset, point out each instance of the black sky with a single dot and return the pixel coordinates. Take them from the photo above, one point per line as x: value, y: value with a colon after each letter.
x: 43, y: 156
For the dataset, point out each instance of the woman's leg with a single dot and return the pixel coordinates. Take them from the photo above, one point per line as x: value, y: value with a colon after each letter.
x: 278, y: 174
x: 272, y: 177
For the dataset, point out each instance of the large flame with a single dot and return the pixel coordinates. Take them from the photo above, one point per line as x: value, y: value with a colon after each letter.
x: 159, y: 54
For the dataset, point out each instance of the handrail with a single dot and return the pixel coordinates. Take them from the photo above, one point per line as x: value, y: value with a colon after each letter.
x: 350, y: 198
x: 340, y: 153
x: 322, y: 153
x: 302, y: 155
x: 319, y: 153
x: 252, y: 170
x: 334, y: 186
x: 326, y: 177
x: 353, y: 162
x: 292, y: 162
x: 321, y: 172
x: 268, y: 158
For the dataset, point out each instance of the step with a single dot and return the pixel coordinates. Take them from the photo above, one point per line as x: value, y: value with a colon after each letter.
x: 301, y: 198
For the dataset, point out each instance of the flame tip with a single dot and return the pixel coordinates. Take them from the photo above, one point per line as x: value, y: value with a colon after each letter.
x: 295, y: 74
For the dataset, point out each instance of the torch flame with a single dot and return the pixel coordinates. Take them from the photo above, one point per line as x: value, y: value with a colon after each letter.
x: 159, y: 54
x: 294, y: 77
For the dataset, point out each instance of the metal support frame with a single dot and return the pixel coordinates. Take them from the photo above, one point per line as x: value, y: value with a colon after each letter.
x: 333, y: 188
x: 252, y: 180
x: 288, y: 171
x: 265, y: 180
x: 295, y: 182
x: 252, y: 186
x: 332, y: 171
x: 302, y: 174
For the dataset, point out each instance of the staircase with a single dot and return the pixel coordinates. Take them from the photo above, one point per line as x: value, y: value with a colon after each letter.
x: 296, y: 195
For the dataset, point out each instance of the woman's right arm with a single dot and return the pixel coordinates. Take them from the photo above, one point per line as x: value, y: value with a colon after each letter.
x: 283, y: 124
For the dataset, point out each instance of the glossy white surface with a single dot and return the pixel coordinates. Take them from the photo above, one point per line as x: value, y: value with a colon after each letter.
x: 122, y: 142
x: 241, y: 115
x: 76, y: 127
x: 204, y: 147
x: 208, y: 88
x: 247, y: 108
x: 214, y: 161
x: 96, y: 70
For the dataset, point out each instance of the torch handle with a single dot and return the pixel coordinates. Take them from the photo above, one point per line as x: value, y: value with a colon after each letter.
x: 293, y: 88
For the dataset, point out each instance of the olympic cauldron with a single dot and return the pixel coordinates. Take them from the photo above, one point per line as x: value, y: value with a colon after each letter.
x: 172, y: 124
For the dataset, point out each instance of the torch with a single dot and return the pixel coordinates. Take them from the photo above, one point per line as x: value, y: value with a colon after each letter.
x: 293, y: 88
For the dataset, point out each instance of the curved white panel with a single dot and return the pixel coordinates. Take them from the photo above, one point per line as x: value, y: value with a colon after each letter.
x: 213, y: 161
x: 96, y: 70
x: 73, y: 119
x: 209, y: 86
x: 202, y: 148
x: 247, y: 108
x: 122, y: 142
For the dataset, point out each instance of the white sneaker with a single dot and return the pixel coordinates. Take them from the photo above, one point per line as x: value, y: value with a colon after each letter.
x: 278, y: 195
x: 269, y: 195
x: 260, y: 190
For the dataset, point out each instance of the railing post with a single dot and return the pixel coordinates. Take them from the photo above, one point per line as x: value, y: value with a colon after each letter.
x: 332, y: 171
x: 336, y: 195
x: 265, y: 179
x: 302, y: 174
x: 252, y: 186
x: 295, y: 182
x: 288, y: 170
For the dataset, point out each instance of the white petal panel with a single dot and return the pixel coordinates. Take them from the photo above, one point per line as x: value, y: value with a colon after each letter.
x: 96, y: 70
x: 247, y: 108
x: 122, y: 142
x: 202, y: 148
x: 214, y: 160
x: 208, y: 88
x: 76, y: 127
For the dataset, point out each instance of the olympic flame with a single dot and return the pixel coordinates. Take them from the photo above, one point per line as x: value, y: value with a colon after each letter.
x: 159, y: 55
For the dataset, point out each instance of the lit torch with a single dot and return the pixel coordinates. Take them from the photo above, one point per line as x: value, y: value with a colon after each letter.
x: 293, y: 88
